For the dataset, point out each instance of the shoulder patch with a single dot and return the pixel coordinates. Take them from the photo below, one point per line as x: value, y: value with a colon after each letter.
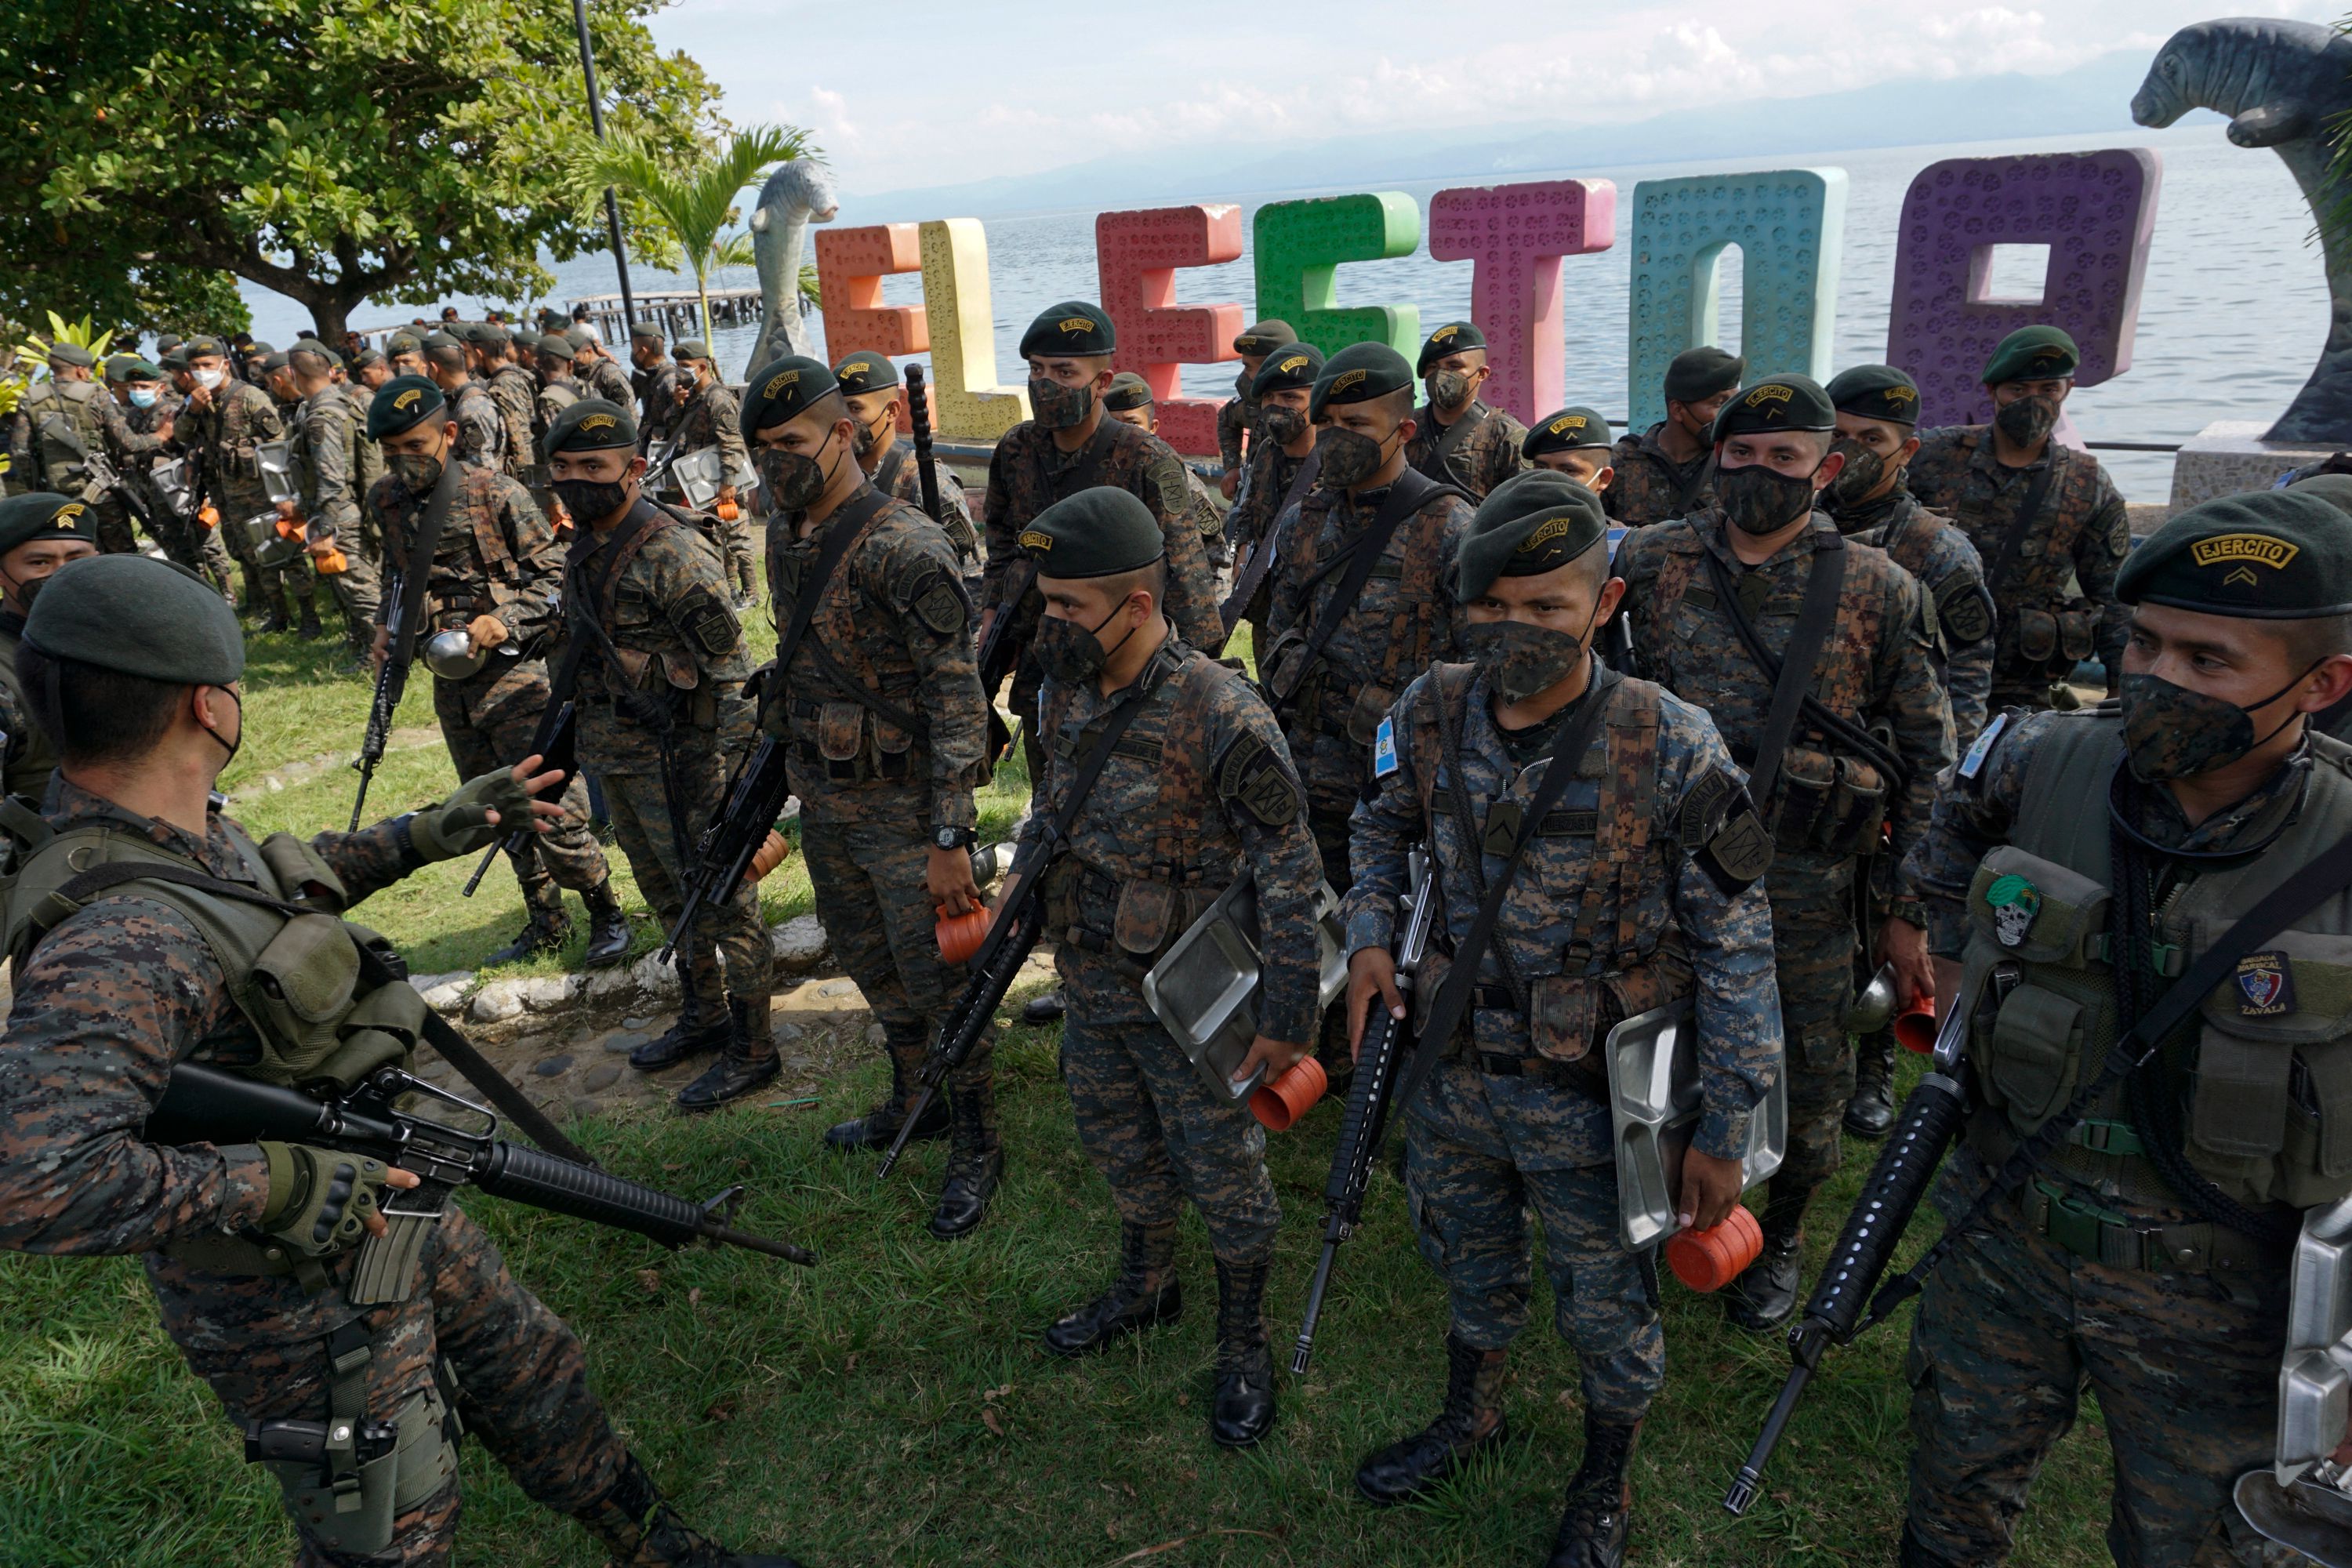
x: 1967, y: 611
x: 1702, y: 807
x: 939, y: 603
x: 707, y: 622
x: 1734, y: 850
x: 1979, y: 749
x: 1255, y: 778
x: 1384, y: 752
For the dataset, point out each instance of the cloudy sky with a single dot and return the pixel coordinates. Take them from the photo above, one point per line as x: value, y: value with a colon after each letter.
x: 918, y: 93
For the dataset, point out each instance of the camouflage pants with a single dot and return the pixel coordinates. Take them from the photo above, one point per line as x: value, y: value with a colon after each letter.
x: 2012, y: 1328
x: 193, y: 545
x: 265, y: 586
x: 115, y: 527
x: 261, y: 1343
x: 730, y: 929
x: 868, y: 873
x: 490, y: 721
x: 734, y: 543
x: 358, y: 591
x: 1149, y: 1124
x: 1480, y: 1152
x: 1813, y: 952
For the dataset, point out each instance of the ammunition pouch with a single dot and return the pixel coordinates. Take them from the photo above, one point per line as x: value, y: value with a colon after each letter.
x: 2052, y: 639
x: 1825, y: 803
x: 850, y: 741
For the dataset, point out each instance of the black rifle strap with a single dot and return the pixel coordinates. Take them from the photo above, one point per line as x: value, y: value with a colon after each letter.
x: 1412, y: 490
x: 848, y: 684
x: 885, y: 473
x: 1081, y: 474
x: 1451, y: 709
x: 1262, y: 554
x: 1687, y: 491
x: 416, y: 572
x: 2028, y: 510
x: 454, y: 1048
x: 1441, y: 456
x: 2322, y: 878
x: 839, y: 535
x: 1793, y: 680
x: 1453, y: 999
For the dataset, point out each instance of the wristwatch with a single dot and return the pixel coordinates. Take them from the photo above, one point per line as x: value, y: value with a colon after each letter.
x: 953, y: 838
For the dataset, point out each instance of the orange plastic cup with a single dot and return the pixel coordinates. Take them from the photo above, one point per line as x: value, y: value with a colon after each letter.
x: 1914, y: 1026
x: 773, y: 852
x: 209, y: 516
x: 1289, y: 1097
x: 728, y: 512
x: 961, y: 936
x: 1711, y: 1258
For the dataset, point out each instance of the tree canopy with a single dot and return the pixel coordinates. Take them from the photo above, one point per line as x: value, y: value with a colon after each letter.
x: 335, y: 151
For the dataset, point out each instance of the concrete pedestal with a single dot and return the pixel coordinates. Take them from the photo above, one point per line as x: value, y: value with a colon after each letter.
x: 2229, y: 456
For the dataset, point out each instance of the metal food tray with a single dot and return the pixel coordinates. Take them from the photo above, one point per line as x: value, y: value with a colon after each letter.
x: 1204, y: 990
x: 276, y: 461
x: 1653, y: 1109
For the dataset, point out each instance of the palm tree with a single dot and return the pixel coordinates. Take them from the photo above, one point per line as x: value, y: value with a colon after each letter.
x: 696, y: 205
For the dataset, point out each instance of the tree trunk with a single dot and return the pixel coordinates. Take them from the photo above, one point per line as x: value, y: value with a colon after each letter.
x: 328, y: 318
x: 702, y: 291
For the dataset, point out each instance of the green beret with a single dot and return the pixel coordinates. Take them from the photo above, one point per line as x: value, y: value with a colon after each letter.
x: 1127, y: 391
x: 1776, y: 404
x: 367, y: 357
x: 168, y: 341
x: 865, y: 372
x: 592, y: 425
x: 44, y: 514
x: 137, y: 369
x: 199, y: 348
x: 443, y: 340
x: 1450, y: 339
x: 117, y: 364
x: 2335, y: 489
x: 1264, y: 338
x: 1097, y: 533
x: 274, y: 362
x: 1696, y: 374
x: 178, y: 360
x: 1358, y: 373
x: 71, y: 353
x: 687, y: 348
x: 1071, y: 330
x: 2273, y: 555
x: 1877, y: 391
x: 2032, y: 353
x: 1289, y: 367
x: 551, y: 344
x: 313, y: 346
x: 400, y: 404
x: 490, y: 335
x: 1570, y: 430
x: 402, y: 343
x: 577, y: 337
x: 137, y: 616
x: 648, y: 330
x: 781, y: 392
x: 1531, y: 523
x: 255, y: 349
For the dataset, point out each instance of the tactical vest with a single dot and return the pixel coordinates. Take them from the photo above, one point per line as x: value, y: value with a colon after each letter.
x: 2266, y: 1070
x: 853, y: 702
x: 1419, y: 556
x: 66, y: 429
x: 1622, y: 959
x: 30, y: 758
x: 367, y: 458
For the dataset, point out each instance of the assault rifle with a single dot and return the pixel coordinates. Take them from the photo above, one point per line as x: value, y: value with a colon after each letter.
x: 391, y: 682
x: 999, y: 653
x: 556, y: 744
x: 1387, y: 1046
x: 723, y: 851
x: 389, y: 1117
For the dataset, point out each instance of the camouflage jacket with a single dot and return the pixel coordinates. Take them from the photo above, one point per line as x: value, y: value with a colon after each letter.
x: 481, y: 427
x: 608, y: 381
x: 882, y: 699
x: 1951, y: 581
x: 1481, y: 457
x: 1027, y: 473
x: 1206, y: 513
x: 25, y: 755
x: 95, y: 420
x: 1876, y: 670
x: 2074, y: 543
x: 1236, y: 416
x: 1197, y: 788
x: 324, y: 464
x: 1402, y: 623
x: 1655, y: 879
x: 712, y: 417
x: 1271, y: 472
x: 516, y: 392
x: 117, y: 993
x: 898, y: 476
x: 1649, y: 485
x: 496, y: 554
x: 556, y: 393
x: 657, y: 394
x: 677, y: 652
x: 226, y: 436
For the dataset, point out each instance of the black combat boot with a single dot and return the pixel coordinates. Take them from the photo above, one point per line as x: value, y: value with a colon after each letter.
x: 274, y: 616
x: 641, y: 1529
x: 1592, y: 1529
x: 1871, y: 1112
x: 608, y: 929
x: 548, y: 927
x: 1044, y: 1009
x: 1766, y: 1292
x: 1145, y: 1294
x: 690, y: 1036
x: 976, y: 1161
x: 1241, y: 1411
x: 880, y: 1125
x: 310, y: 630
x: 749, y: 1062
x: 1471, y: 1423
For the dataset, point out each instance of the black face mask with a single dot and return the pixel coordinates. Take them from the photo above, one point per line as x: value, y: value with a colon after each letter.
x: 2172, y: 732
x: 229, y: 746
x: 1759, y: 499
x: 795, y: 480
x: 1449, y: 389
x: 869, y: 437
x: 1349, y: 456
x: 1282, y: 424
x: 26, y: 591
x: 1519, y: 659
x: 591, y: 501
x: 2027, y: 421
x: 1071, y: 653
x: 417, y: 472
x: 1863, y: 471
x: 1058, y: 407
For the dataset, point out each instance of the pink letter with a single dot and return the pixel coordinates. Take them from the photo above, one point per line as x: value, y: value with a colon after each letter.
x: 1514, y: 236
x: 850, y: 265
x: 1137, y: 254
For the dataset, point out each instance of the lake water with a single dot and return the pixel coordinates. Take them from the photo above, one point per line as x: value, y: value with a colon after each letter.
x: 2232, y: 317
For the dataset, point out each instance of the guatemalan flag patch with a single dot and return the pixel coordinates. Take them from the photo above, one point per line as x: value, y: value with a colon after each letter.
x: 1384, y: 758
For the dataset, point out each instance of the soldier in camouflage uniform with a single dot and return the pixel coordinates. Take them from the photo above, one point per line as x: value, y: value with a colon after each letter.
x: 222, y: 428
x: 1456, y: 439
x: 711, y: 417
x: 1196, y: 790
x: 664, y: 719
x: 653, y: 379
x: 40, y: 533
x: 551, y: 363
x: 1860, y: 759
x: 156, y: 396
x: 332, y: 475
x: 1663, y: 472
x: 880, y: 705
x: 1516, y: 1116
x: 403, y: 351
x: 71, y: 410
x: 1129, y: 402
x: 1068, y: 445
x: 481, y: 429
x: 512, y: 387
x: 1237, y: 415
x: 2077, y: 860
x: 1575, y: 442
x: 598, y: 373
x: 494, y: 574
x: 1282, y: 469
x: 869, y: 385
x: 249, y: 1247
x: 2045, y: 519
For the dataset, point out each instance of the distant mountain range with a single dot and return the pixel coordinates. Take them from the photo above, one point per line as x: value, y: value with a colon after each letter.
x: 2094, y: 97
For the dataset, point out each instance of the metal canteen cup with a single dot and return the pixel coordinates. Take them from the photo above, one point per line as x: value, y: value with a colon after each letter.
x: 452, y: 656
x: 1873, y: 1009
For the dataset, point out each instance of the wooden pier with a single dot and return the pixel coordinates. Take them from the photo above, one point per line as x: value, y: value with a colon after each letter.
x: 678, y: 313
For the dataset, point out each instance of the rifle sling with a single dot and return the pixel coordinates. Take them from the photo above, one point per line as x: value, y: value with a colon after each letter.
x: 418, y: 571
x: 454, y: 1048
x: 885, y: 473
x: 1263, y: 556
x: 839, y: 535
x: 1440, y: 456
x: 1792, y: 674
x: 1997, y: 580
x: 1453, y: 999
x: 1412, y: 490
x: 1687, y: 491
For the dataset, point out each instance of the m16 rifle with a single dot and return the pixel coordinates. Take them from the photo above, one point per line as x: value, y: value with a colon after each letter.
x: 724, y: 850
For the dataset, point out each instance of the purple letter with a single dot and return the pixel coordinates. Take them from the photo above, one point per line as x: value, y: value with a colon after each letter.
x: 1514, y: 236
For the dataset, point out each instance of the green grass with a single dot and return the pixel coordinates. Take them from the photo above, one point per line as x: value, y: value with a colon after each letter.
x: 892, y: 1405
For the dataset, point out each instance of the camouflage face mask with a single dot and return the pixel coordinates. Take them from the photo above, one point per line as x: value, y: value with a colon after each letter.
x: 1864, y: 468
x: 2027, y: 420
x: 1519, y: 659
x: 1282, y: 424
x: 2172, y: 732
x: 1058, y: 407
x: 1449, y: 388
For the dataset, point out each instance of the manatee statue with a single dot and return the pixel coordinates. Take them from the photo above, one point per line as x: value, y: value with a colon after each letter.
x: 2283, y: 84
x: 797, y: 194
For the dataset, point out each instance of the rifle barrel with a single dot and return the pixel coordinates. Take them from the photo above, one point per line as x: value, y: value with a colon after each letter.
x: 1744, y: 1485
x: 1334, y: 1232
